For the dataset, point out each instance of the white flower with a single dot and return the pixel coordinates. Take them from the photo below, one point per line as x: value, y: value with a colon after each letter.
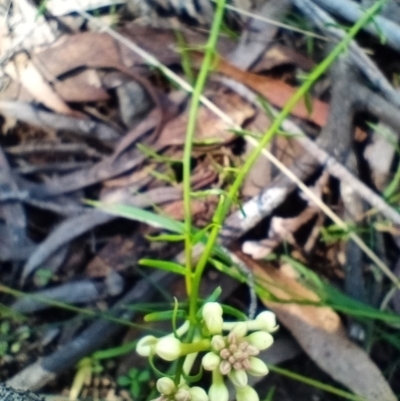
x: 260, y: 339
x: 170, y: 392
x: 210, y: 361
x: 212, y: 315
x: 246, y: 393
x: 165, y: 386
x: 146, y: 345
x: 168, y: 348
x: 234, y: 355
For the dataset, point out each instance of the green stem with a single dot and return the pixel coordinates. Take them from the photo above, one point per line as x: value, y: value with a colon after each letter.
x: 191, y: 128
x: 315, y: 383
x: 198, y: 346
x: 225, y: 205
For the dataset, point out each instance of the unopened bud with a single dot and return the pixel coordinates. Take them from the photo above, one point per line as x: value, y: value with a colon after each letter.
x: 218, y: 343
x: 260, y: 339
x: 268, y: 321
x: 165, y: 386
x: 246, y: 393
x: 168, y: 348
x: 238, y: 378
x: 146, y: 345
x: 210, y: 361
x: 212, y: 315
x: 257, y: 367
x: 198, y: 394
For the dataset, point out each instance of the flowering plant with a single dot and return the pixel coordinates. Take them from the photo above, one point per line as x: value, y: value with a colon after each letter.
x: 229, y: 351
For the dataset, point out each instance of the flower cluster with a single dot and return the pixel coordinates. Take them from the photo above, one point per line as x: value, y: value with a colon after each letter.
x: 170, y: 392
x: 232, y: 355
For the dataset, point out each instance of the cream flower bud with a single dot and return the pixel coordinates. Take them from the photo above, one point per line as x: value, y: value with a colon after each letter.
x: 212, y: 315
x: 267, y: 321
x: 168, y: 348
x: 146, y: 345
x: 225, y: 367
x: 211, y: 307
x: 198, y: 394
x: 240, y: 329
x: 210, y: 361
x: 218, y: 392
x: 218, y: 343
x: 260, y: 339
x: 165, y: 386
x: 257, y: 367
x: 182, y: 395
x: 246, y: 393
x: 238, y: 377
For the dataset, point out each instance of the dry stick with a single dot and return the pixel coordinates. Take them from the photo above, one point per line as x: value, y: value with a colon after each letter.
x: 258, y: 36
x: 379, y: 27
x: 150, y: 59
x: 12, y: 211
x: 325, y: 23
x: 337, y: 136
x: 264, y: 203
x: 92, y: 338
x: 274, y: 22
x: 334, y: 168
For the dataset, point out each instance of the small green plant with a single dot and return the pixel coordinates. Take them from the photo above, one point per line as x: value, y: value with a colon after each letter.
x: 43, y: 277
x: 134, y: 381
x: 11, y: 341
x: 228, y: 348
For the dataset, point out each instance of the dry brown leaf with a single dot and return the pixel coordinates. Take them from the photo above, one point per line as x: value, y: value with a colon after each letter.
x: 69, y: 54
x: 88, y: 49
x: 116, y: 255
x: 175, y: 210
x: 210, y: 128
x: 23, y: 70
x: 320, y: 333
x: 85, y: 86
x: 278, y: 55
x: 162, y: 43
x: 284, y: 149
x: 275, y: 91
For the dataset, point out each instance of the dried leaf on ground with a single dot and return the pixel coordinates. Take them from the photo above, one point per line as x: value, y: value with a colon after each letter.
x: 211, y: 130
x: 278, y: 55
x: 275, y: 91
x: 116, y: 255
x: 321, y: 334
x: 23, y: 70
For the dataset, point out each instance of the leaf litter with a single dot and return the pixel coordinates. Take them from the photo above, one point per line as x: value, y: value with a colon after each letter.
x: 73, y: 128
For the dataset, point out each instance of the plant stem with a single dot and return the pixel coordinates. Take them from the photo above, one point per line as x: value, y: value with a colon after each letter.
x: 224, y: 206
x: 191, y: 128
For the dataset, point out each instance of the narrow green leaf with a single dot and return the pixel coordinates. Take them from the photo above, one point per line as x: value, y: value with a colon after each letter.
x: 308, y: 102
x: 171, y: 267
x: 165, y: 315
x: 166, y: 237
x: 137, y: 214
